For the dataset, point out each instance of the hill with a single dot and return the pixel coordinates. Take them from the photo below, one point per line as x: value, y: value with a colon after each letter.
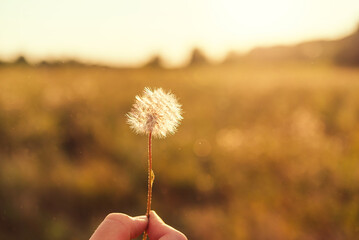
x: 343, y: 51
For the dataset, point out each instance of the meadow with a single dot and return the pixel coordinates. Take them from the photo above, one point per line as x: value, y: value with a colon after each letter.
x: 265, y: 151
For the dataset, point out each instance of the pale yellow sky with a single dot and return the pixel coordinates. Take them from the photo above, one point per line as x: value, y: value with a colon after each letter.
x: 129, y: 32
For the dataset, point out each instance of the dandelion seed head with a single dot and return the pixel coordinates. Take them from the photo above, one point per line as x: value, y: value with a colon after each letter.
x: 155, y: 111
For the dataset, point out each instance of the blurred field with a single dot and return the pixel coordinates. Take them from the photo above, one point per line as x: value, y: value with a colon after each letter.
x: 264, y: 151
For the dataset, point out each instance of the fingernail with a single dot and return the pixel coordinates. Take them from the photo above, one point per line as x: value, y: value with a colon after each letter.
x: 141, y: 218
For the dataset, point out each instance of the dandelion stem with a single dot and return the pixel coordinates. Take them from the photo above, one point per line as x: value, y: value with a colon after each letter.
x: 150, y: 177
x: 150, y: 180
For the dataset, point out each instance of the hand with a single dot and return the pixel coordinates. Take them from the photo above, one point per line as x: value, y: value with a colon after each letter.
x: 119, y: 226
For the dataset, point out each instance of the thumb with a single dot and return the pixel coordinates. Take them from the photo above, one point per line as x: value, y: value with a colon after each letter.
x: 158, y: 230
x: 119, y: 226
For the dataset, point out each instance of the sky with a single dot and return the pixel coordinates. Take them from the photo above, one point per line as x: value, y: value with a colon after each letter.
x: 128, y: 33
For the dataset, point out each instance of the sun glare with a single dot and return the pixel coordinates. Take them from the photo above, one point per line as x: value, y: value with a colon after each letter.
x: 131, y: 32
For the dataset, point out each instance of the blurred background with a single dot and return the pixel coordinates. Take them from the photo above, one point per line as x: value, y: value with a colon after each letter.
x: 269, y: 144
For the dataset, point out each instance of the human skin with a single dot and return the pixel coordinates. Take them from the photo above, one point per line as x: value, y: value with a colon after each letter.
x: 119, y: 226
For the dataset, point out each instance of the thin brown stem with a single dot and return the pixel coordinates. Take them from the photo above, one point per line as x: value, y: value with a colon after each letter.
x: 150, y: 181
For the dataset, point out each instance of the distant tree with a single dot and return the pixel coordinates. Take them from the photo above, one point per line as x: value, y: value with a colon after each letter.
x: 21, y: 60
x: 198, y: 58
x: 58, y: 63
x: 155, y: 62
x: 73, y: 62
x: 43, y: 63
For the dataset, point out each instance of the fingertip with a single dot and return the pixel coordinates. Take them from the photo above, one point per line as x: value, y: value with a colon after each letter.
x: 154, y: 217
x: 158, y: 229
x: 141, y: 222
x: 120, y: 226
x: 139, y: 225
x: 118, y: 217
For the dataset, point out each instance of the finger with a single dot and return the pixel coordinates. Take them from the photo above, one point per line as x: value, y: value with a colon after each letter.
x: 118, y: 226
x: 158, y: 230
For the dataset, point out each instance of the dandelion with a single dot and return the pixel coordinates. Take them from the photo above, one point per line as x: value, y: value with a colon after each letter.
x: 155, y: 113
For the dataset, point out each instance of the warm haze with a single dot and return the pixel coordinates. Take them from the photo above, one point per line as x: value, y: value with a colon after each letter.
x: 129, y: 32
x: 269, y: 141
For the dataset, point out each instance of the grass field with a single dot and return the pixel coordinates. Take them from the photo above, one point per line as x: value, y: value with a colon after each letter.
x: 264, y: 151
